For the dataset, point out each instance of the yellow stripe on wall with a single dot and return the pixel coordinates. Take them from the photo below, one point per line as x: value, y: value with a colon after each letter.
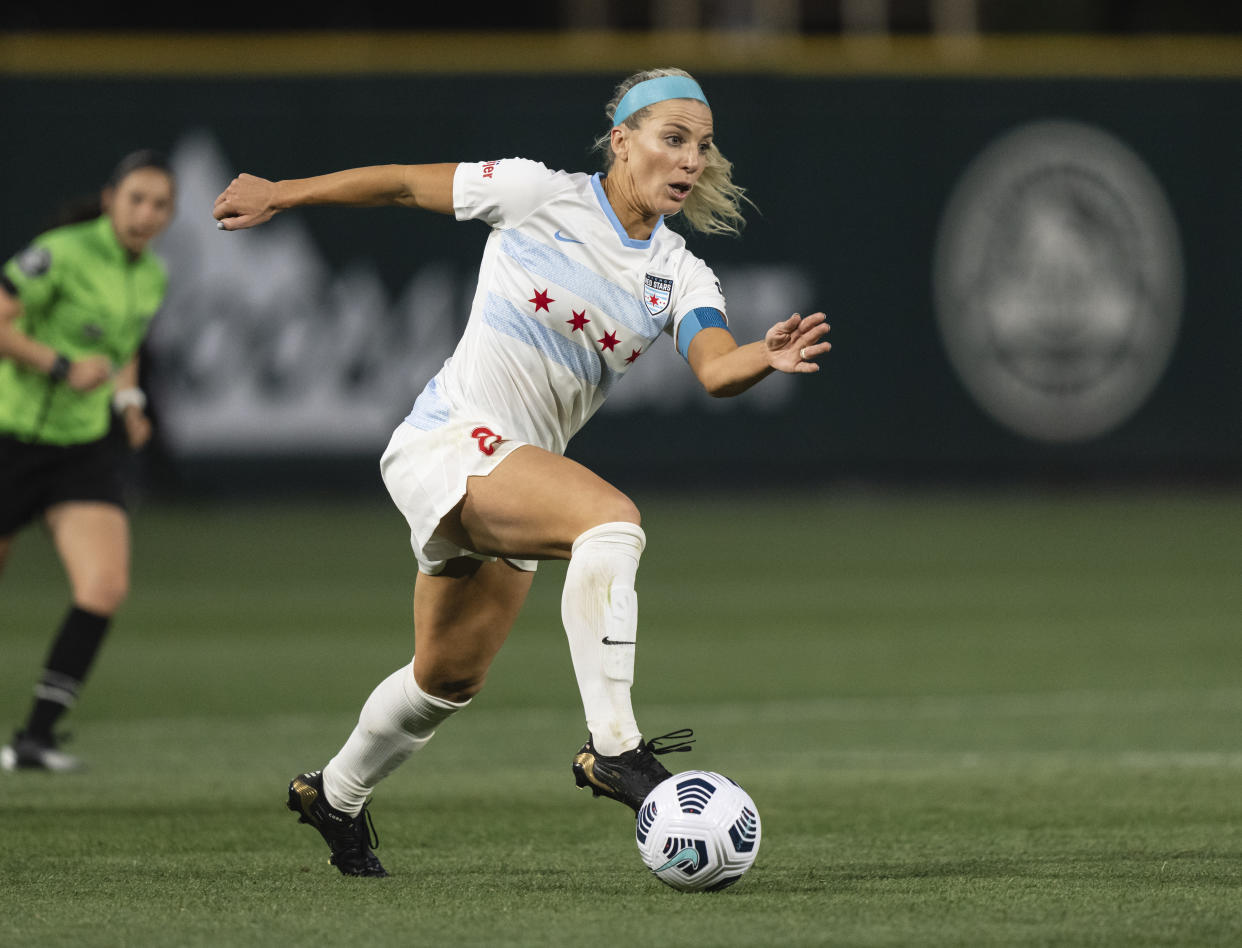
x: 372, y: 53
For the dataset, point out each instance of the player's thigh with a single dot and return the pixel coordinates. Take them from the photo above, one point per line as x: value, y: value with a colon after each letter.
x: 92, y: 539
x: 536, y: 503
x: 462, y: 617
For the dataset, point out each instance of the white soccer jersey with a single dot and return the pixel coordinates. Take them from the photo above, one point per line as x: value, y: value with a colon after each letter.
x: 566, y: 302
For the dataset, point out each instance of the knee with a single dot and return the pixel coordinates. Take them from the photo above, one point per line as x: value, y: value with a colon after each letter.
x: 453, y: 688
x: 618, y: 509
x: 456, y: 678
x: 102, y: 593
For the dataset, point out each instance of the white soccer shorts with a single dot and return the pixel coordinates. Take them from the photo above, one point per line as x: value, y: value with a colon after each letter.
x: 426, y: 473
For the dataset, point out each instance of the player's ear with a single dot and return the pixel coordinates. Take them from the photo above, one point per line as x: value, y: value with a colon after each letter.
x: 620, y: 142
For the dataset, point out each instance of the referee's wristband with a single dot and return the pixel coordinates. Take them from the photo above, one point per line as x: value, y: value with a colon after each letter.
x: 129, y: 398
x: 60, y: 368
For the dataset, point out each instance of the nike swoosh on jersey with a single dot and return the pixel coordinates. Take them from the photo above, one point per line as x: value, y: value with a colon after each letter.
x: 608, y: 641
x: 569, y: 240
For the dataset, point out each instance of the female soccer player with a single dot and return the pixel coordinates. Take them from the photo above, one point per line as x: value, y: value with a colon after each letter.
x: 579, y: 277
x: 74, y: 308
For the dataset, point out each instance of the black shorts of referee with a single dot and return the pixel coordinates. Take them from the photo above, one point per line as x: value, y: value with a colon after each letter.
x: 35, y: 476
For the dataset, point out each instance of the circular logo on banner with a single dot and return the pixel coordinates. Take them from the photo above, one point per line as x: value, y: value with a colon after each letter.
x: 1058, y: 281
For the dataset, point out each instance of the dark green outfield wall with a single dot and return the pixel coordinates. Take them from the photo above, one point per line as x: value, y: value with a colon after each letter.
x: 853, y: 177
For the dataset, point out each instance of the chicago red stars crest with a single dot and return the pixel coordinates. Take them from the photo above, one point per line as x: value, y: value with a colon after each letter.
x: 656, y: 293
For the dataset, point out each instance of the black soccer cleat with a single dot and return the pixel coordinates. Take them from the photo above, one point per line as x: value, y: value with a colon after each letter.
x: 630, y: 776
x: 26, y: 752
x: 349, y: 837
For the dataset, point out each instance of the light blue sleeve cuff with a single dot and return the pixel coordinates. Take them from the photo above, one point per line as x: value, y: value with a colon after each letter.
x: 705, y: 317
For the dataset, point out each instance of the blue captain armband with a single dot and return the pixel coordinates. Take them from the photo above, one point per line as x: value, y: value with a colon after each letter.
x: 705, y: 317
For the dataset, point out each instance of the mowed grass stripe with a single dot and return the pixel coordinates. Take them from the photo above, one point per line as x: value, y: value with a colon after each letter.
x: 993, y: 720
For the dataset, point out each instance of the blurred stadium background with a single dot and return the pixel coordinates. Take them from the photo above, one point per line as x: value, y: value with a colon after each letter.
x: 1000, y: 530
x: 1021, y: 222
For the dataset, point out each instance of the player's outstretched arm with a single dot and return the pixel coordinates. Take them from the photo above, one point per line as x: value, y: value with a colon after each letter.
x: 724, y: 368
x: 250, y: 200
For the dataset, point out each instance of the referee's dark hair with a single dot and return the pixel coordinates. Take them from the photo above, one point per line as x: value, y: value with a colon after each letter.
x: 142, y: 158
x: 89, y: 207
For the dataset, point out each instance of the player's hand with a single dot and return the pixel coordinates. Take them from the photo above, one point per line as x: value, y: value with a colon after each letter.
x: 89, y: 372
x: 246, y: 202
x: 137, y: 427
x: 795, y: 344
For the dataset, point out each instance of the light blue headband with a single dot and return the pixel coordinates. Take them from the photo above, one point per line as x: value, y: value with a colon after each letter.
x: 650, y: 91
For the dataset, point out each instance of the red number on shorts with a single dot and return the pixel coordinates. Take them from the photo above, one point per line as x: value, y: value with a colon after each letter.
x: 487, y: 439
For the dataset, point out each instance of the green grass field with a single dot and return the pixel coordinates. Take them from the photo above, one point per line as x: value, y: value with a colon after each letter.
x: 966, y: 720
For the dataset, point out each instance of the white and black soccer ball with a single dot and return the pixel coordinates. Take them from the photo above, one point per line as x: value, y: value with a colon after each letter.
x: 698, y: 831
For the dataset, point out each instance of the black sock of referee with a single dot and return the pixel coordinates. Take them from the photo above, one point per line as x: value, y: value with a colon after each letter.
x: 81, y: 633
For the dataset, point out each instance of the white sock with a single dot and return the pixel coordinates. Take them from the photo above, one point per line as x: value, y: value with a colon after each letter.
x: 599, y: 608
x: 397, y: 719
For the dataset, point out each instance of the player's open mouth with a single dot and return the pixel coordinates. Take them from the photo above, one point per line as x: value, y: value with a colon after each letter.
x: 679, y: 191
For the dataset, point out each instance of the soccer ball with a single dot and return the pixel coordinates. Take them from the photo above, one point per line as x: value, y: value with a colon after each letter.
x: 698, y: 831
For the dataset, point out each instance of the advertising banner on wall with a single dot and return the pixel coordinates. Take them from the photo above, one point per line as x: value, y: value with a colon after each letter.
x: 1025, y: 277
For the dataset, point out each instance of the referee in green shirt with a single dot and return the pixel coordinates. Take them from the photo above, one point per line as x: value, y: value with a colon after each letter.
x: 74, y: 308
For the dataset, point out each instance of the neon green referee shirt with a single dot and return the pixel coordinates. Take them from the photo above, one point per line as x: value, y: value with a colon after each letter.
x: 82, y: 293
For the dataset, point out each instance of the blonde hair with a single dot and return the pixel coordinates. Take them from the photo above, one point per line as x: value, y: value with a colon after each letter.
x: 714, y: 205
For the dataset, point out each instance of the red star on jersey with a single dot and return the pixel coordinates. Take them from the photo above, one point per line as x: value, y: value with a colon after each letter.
x: 633, y: 355
x: 541, y: 301
x: 609, y: 341
x: 653, y: 300
x: 578, y: 321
